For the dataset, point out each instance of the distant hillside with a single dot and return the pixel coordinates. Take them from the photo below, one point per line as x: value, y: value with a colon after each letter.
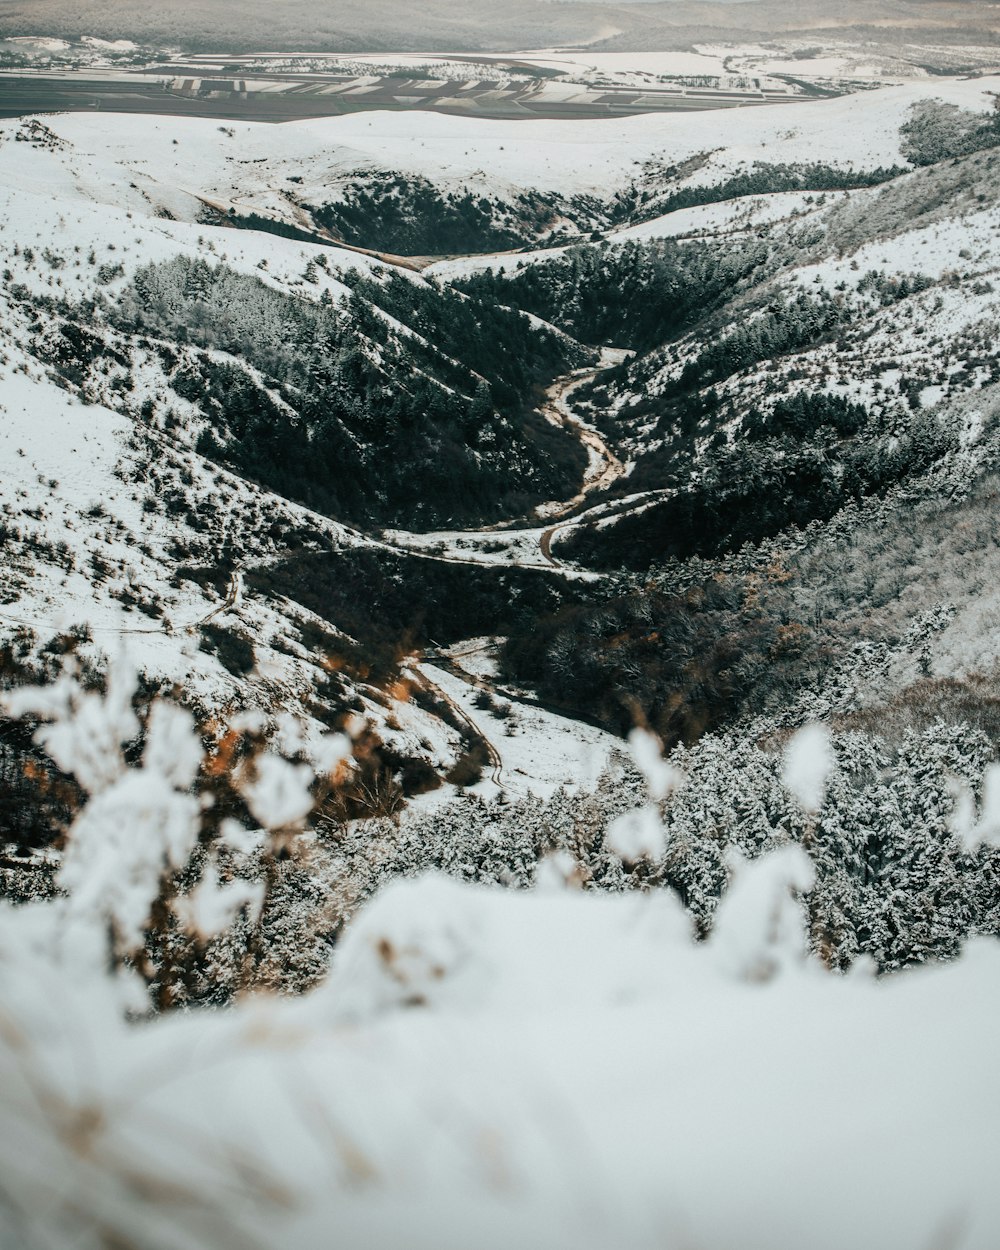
x: 366, y: 25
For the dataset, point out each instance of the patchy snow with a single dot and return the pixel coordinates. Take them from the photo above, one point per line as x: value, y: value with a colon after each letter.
x: 89, y: 554
x: 540, y: 750
x: 71, y: 228
x: 488, y: 546
x: 965, y: 244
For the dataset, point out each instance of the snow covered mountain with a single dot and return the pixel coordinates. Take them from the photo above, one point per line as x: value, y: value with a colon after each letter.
x: 251, y: 397
x: 118, y: 526
x: 499, y: 676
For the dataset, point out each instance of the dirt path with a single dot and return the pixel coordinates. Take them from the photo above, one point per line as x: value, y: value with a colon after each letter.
x: 494, y: 756
x: 451, y: 662
x: 603, y: 470
x: 545, y: 545
x: 558, y: 411
x: 233, y: 599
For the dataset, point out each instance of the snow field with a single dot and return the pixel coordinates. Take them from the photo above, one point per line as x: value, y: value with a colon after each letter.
x: 247, y: 162
x: 491, y: 1068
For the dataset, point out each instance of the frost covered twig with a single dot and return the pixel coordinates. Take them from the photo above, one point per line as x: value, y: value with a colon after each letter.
x: 144, y: 824
x: 639, y: 835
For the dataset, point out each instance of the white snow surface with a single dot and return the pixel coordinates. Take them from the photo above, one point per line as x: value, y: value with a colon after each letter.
x: 808, y: 763
x: 494, y: 1069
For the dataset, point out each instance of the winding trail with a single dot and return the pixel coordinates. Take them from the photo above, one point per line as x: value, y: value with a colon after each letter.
x: 232, y: 601
x: 451, y: 662
x: 603, y: 470
x: 494, y: 756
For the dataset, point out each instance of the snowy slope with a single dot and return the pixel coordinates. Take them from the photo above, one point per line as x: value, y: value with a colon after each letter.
x: 539, y: 751
x: 86, y: 550
x: 150, y: 164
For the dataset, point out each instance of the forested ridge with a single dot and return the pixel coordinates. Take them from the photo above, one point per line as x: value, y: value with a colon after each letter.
x: 404, y: 404
x: 410, y: 216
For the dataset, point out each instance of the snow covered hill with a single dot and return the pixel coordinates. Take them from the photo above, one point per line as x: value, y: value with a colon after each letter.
x: 159, y: 166
x: 541, y: 1066
x: 528, y: 594
x: 142, y: 525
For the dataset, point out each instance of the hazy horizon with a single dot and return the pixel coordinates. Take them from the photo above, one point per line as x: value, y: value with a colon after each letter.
x: 479, y: 25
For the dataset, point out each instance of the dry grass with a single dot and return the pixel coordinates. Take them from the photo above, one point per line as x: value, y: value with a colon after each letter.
x: 973, y: 701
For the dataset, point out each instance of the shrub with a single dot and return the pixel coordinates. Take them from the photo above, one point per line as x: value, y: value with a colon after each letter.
x: 232, y: 649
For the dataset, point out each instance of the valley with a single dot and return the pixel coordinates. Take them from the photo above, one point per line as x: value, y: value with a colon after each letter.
x: 581, y: 457
x: 499, y: 651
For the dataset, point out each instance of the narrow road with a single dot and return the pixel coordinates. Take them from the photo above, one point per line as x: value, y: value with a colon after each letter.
x: 494, y: 756
x: 604, y: 468
x: 545, y: 545
x: 559, y: 412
